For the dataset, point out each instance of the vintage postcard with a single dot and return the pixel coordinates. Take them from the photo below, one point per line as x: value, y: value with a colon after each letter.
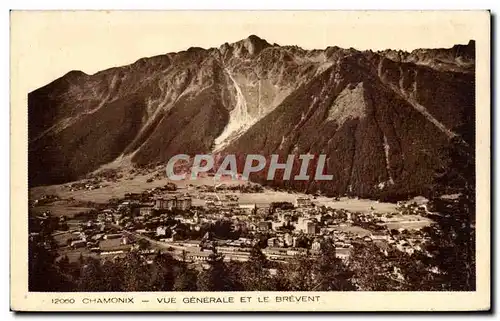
x: 250, y: 161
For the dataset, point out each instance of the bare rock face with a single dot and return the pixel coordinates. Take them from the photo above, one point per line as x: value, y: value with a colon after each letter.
x: 381, y: 117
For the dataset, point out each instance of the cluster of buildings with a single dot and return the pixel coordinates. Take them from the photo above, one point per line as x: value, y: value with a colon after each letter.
x: 169, y: 220
x: 173, y: 202
x: 87, y: 185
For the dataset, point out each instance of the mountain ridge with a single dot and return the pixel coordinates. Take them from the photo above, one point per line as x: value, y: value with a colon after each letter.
x: 228, y: 98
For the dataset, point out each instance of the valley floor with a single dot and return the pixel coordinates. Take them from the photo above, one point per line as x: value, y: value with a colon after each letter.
x: 102, y: 193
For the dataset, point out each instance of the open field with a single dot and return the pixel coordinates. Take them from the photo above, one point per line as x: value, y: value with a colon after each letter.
x: 354, y: 230
x: 74, y: 254
x: 409, y: 225
x: 139, y: 184
x: 101, y: 195
x: 352, y: 205
x: 357, y: 205
x: 113, y: 245
x: 62, y: 238
x: 59, y: 209
x: 269, y: 196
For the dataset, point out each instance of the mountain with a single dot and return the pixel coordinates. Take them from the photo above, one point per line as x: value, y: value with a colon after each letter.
x: 382, y: 118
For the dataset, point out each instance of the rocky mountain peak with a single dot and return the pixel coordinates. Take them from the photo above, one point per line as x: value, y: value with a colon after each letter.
x: 251, y: 46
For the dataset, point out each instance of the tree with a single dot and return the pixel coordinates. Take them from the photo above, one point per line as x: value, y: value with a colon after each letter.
x: 63, y: 263
x: 81, y: 259
x: 143, y: 244
x: 92, y: 278
x: 254, y: 276
x: 452, y: 245
x: 301, y: 275
x: 136, y: 276
x: 216, y: 277
x: 373, y: 270
x: 113, y: 276
x: 281, y: 281
x: 43, y: 274
x: 303, y: 242
x: 417, y: 272
x: 162, y: 274
x: 331, y: 274
x: 185, y: 279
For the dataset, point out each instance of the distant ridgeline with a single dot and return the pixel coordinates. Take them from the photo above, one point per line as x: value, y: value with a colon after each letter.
x: 383, y: 119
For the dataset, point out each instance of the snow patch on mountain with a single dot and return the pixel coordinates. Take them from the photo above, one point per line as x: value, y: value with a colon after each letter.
x: 387, y: 149
x: 239, y: 118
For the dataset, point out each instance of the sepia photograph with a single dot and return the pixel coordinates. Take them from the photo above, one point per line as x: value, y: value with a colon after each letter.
x: 208, y: 152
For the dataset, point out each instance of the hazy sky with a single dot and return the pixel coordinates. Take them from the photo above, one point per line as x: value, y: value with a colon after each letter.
x: 53, y: 43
